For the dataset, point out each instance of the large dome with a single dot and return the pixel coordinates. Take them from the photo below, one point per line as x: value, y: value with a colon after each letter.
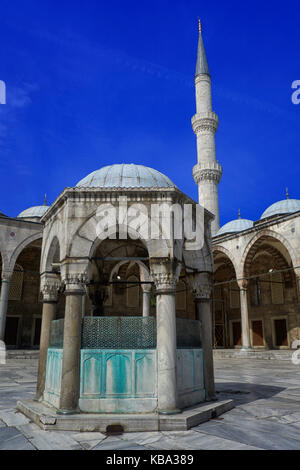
x: 35, y: 212
x: 286, y: 206
x: 234, y: 226
x: 126, y: 176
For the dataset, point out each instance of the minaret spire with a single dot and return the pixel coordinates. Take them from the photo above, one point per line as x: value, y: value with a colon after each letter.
x: 287, y: 193
x: 201, y: 65
x: 207, y: 173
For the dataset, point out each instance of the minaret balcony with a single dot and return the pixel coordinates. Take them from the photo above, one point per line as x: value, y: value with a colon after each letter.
x: 205, y: 122
x: 204, y: 171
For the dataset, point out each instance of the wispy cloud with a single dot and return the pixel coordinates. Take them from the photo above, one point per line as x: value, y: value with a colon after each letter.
x: 17, y: 98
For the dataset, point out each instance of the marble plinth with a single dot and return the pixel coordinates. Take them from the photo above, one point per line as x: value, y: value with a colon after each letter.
x: 47, y: 419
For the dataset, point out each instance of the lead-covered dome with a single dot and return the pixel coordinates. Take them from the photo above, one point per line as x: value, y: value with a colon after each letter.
x: 33, y: 213
x: 234, y: 226
x: 286, y: 206
x: 126, y: 176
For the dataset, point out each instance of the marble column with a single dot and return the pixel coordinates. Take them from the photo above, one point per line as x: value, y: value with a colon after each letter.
x: 50, y: 289
x: 201, y: 285
x: 69, y: 393
x: 246, y: 343
x: 146, y: 299
x: 165, y: 278
x: 6, y: 277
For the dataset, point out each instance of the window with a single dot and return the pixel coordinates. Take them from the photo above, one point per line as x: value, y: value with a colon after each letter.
x: 16, y: 284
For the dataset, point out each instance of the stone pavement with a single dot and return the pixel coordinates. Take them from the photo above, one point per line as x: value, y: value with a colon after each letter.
x: 267, y: 413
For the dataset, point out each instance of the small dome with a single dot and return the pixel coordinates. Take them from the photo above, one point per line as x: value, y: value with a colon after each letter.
x: 286, y: 206
x: 234, y: 226
x: 2, y: 215
x: 35, y: 212
x: 126, y: 176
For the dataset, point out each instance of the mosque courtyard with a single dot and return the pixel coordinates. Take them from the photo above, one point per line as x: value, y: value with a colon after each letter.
x: 266, y: 414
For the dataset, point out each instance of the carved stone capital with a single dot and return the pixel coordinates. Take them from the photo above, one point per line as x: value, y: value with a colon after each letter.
x: 165, y: 274
x: 205, y: 122
x: 201, y: 285
x: 75, y: 283
x: 50, y: 287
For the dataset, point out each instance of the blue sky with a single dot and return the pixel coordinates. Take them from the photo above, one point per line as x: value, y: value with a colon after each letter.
x: 94, y: 83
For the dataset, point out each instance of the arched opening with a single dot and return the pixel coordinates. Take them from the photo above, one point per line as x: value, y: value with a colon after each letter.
x: 116, y: 285
x: 24, y: 312
x: 226, y: 303
x: 272, y: 294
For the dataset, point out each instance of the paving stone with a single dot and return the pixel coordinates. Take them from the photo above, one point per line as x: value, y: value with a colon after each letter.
x: 118, y: 444
x: 12, y: 439
x: 267, y: 413
x: 13, y: 418
x: 51, y: 440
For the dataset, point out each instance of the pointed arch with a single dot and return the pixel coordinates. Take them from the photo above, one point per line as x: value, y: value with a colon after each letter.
x: 259, y: 239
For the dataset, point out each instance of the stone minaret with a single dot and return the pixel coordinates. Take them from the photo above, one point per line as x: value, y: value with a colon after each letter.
x: 207, y: 173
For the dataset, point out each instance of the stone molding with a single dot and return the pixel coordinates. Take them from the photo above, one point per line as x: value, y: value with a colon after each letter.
x: 202, y: 77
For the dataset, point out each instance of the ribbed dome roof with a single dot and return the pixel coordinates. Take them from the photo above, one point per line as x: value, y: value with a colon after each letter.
x: 237, y: 225
x: 286, y: 206
x: 33, y: 212
x: 126, y: 176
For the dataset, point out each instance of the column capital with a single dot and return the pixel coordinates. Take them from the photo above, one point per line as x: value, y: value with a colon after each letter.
x: 146, y: 288
x: 243, y: 284
x: 6, y: 276
x: 75, y: 283
x: 165, y: 274
x: 201, y: 285
x: 50, y: 287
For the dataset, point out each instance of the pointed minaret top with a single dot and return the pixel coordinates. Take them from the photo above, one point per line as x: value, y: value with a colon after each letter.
x: 45, y: 200
x: 202, y: 65
x: 287, y: 193
x: 239, y: 214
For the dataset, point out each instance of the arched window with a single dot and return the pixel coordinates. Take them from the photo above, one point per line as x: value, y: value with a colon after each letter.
x: 16, y: 283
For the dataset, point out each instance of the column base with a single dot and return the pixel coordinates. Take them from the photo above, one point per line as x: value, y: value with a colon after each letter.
x: 169, y: 412
x: 67, y: 412
x: 246, y: 348
x: 212, y: 398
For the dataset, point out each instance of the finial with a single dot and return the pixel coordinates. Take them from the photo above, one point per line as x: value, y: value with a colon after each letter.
x: 239, y: 214
x: 45, y: 200
x: 200, y: 27
x: 287, y: 193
